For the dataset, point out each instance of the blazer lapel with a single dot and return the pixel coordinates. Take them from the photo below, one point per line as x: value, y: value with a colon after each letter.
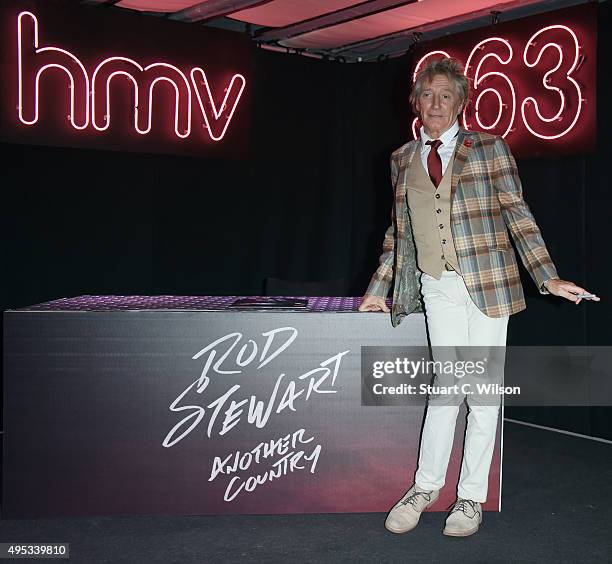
x: 404, y: 165
x: 462, y: 151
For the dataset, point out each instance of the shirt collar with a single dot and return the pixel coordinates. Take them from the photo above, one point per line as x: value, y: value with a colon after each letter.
x: 446, y: 137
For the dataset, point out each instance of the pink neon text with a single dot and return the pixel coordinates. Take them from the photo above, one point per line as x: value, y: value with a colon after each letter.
x: 90, y: 99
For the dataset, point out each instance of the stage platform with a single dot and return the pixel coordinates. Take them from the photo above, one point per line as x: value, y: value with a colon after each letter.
x: 557, y: 508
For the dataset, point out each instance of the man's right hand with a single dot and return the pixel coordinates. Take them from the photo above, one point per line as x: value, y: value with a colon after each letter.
x: 373, y: 303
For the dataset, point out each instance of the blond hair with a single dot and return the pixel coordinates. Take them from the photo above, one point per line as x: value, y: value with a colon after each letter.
x: 447, y: 66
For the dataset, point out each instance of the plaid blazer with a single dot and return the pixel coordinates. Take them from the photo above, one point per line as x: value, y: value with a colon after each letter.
x: 486, y: 201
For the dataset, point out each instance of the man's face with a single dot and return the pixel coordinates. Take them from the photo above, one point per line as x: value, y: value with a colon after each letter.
x: 438, y: 105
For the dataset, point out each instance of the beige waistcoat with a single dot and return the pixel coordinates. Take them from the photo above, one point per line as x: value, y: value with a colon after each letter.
x: 430, y: 216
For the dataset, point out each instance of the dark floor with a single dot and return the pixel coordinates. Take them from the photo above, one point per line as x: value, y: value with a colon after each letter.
x: 557, y: 507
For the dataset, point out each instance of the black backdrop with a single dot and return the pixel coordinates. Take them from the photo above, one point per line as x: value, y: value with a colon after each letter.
x: 312, y: 202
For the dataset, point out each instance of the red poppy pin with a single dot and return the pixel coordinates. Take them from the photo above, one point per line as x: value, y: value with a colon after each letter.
x: 467, y: 142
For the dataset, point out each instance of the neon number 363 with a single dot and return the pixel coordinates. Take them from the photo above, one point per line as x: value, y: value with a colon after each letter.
x: 561, y: 91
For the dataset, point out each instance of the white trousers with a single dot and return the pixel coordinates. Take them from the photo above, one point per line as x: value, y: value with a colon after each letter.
x: 454, y: 320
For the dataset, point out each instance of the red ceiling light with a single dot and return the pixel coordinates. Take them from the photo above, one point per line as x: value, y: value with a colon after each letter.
x: 157, y: 5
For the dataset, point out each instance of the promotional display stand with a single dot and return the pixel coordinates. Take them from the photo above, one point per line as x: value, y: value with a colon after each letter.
x: 117, y: 405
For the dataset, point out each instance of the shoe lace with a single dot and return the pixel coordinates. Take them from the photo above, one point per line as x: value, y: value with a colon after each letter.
x: 413, y: 497
x: 462, y: 504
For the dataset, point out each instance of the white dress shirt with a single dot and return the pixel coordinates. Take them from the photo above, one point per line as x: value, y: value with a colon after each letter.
x: 446, y: 150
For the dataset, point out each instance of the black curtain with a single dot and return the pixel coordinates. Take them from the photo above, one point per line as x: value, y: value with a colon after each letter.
x: 311, y: 203
x: 572, y: 205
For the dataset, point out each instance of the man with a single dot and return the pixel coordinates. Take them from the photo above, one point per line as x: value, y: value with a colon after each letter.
x: 457, y: 193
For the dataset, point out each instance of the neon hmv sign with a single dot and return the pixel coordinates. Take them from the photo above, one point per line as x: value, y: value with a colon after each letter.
x: 534, y: 84
x: 90, y: 92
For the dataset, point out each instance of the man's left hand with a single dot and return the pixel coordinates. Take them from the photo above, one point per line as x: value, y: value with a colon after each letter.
x: 567, y: 290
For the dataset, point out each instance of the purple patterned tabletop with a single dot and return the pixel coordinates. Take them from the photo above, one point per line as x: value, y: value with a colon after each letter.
x: 177, y: 303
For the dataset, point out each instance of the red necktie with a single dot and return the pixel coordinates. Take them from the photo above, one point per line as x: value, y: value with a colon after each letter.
x: 434, y: 162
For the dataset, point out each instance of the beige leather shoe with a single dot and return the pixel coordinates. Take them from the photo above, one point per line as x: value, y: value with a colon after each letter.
x: 464, y: 518
x: 406, y: 513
